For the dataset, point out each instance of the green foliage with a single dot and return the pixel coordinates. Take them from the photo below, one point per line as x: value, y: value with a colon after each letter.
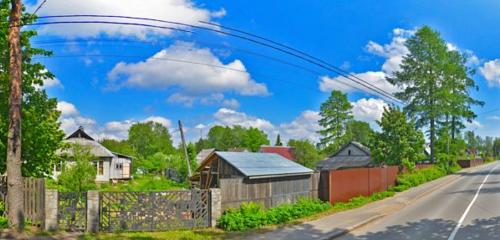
x: 251, y: 215
x: 79, y: 175
x: 335, y: 114
x: 278, y: 141
x: 144, y: 183
x: 224, y: 138
x: 147, y: 139
x: 254, y: 138
x: 399, y: 143
x: 4, y: 223
x: 305, y: 152
x: 436, y: 83
x: 41, y: 136
x: 119, y: 146
x: 359, y: 201
x: 415, y: 178
x: 359, y: 131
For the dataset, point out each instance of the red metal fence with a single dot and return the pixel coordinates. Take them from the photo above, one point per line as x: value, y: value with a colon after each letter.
x: 470, y: 163
x: 342, y: 185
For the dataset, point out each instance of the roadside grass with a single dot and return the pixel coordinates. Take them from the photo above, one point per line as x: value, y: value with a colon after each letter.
x: 195, y: 234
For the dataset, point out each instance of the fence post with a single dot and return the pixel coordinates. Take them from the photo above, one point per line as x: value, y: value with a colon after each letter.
x: 215, y: 206
x: 92, y: 211
x: 50, y: 222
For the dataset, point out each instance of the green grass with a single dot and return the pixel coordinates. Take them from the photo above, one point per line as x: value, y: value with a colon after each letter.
x: 252, y: 215
x: 202, y: 234
x: 144, y: 183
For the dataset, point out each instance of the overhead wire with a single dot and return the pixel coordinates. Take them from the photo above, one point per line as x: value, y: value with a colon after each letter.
x: 315, y: 61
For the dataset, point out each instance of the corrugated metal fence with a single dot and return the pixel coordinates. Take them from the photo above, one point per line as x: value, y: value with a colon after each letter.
x: 342, y: 185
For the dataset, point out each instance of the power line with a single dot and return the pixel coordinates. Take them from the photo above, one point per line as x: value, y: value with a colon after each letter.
x: 315, y: 61
x: 39, y: 7
x: 107, y: 22
x: 182, y: 61
x: 293, y: 49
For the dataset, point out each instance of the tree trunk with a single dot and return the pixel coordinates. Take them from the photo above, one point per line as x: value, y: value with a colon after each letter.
x: 432, y: 136
x: 15, y: 196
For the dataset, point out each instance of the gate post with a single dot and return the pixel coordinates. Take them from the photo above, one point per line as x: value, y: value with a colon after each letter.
x: 93, y: 211
x: 215, y: 206
x: 51, y: 197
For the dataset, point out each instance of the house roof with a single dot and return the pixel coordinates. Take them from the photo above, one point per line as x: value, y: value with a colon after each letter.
x: 263, y: 165
x: 335, y: 161
x: 286, y: 152
x: 204, y: 154
x: 81, y: 138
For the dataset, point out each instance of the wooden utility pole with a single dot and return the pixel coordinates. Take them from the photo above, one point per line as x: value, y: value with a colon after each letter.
x: 185, y: 148
x: 15, y: 196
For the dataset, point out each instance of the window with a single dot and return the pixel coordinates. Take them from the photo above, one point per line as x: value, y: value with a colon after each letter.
x: 349, y: 152
x: 100, y: 169
x: 119, y: 166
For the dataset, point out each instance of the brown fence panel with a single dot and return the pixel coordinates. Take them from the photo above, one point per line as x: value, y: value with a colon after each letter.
x: 34, y: 199
x: 392, y: 174
x: 348, y: 183
x: 375, y: 181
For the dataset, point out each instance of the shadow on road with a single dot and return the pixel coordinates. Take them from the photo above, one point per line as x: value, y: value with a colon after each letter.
x: 436, y: 229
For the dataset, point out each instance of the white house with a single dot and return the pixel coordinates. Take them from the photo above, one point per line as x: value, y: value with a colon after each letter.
x: 110, y: 166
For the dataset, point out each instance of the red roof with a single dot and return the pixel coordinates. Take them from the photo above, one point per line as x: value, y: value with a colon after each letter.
x: 286, y: 152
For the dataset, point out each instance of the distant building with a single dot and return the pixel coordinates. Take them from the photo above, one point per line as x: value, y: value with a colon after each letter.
x: 351, y: 155
x: 110, y: 166
x: 286, y: 152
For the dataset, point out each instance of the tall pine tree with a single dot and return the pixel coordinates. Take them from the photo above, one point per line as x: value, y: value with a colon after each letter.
x: 335, y: 114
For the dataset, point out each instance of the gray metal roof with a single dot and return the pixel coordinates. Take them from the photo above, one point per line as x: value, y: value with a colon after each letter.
x: 344, y: 162
x: 256, y: 165
x: 94, y: 147
x: 337, y: 160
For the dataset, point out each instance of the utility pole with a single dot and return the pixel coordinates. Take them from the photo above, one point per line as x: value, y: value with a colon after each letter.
x: 15, y: 197
x: 185, y: 148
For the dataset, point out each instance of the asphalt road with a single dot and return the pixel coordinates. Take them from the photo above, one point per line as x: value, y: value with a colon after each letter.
x: 456, y: 211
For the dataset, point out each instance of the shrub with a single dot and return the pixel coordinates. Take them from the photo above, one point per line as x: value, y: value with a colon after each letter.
x: 415, y: 178
x: 252, y: 215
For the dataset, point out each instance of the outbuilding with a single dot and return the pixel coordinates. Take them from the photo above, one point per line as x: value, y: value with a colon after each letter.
x: 266, y: 178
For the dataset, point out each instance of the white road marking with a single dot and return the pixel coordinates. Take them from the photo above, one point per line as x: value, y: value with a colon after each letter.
x: 459, y: 224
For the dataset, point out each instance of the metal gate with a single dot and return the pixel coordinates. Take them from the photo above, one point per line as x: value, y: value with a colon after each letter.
x: 154, y: 211
x: 72, y: 211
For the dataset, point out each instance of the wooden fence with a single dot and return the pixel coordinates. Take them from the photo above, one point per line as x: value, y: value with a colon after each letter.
x: 34, y: 198
x: 470, y: 163
x: 268, y: 192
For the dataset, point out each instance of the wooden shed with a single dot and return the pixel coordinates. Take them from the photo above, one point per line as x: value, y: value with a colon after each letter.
x: 266, y: 178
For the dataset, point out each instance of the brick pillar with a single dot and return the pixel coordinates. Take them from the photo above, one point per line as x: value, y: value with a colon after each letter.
x: 50, y: 223
x: 215, y: 206
x: 92, y: 211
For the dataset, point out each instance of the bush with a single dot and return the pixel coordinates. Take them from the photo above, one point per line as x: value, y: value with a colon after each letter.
x: 252, y: 215
x: 144, y: 183
x: 415, y: 178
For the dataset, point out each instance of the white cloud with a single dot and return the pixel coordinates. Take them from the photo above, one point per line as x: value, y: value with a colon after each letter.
x: 52, y: 83
x: 158, y: 72
x: 491, y: 72
x: 368, y: 110
x: 473, y: 125
x: 185, y: 11
x: 67, y: 109
x: 71, y: 119
x: 305, y: 126
x: 393, y: 52
x: 231, y: 117
x: 179, y: 98
x: 494, y: 117
x: 343, y: 84
x: 215, y: 99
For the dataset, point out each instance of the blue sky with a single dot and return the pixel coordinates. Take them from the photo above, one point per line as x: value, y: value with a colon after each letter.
x: 111, y: 76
